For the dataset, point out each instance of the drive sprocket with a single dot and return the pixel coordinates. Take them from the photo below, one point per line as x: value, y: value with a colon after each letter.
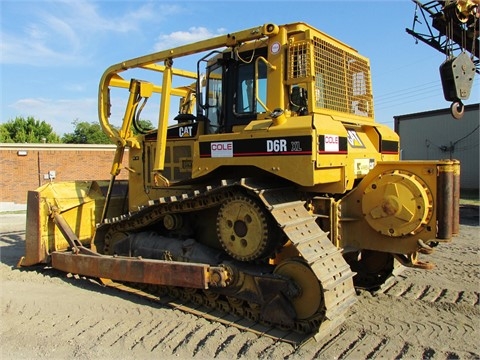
x: 243, y: 229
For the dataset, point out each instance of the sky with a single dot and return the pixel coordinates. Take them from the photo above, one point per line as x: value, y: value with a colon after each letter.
x: 53, y: 53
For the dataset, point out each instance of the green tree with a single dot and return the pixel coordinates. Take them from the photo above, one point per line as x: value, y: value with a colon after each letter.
x: 143, y: 125
x: 86, y: 133
x: 4, y: 134
x: 29, y: 130
x: 92, y: 133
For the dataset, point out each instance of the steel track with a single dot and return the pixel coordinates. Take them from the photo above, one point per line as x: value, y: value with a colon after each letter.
x: 324, y: 259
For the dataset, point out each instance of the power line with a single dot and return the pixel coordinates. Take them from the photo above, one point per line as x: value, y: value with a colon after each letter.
x: 394, y: 93
x: 401, y: 102
x: 464, y: 137
x: 400, y: 98
x: 414, y: 63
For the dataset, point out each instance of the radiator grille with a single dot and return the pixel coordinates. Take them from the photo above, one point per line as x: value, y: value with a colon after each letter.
x: 341, y: 79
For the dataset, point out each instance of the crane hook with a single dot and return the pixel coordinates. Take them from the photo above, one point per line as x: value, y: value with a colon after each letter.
x: 457, y: 109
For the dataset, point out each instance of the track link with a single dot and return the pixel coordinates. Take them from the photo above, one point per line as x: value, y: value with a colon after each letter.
x: 325, y: 260
x: 313, y: 244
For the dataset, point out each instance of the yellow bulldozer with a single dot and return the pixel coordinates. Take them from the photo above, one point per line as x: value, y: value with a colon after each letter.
x: 267, y: 196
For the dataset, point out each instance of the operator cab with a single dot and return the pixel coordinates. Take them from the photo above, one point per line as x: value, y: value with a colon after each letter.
x: 235, y: 90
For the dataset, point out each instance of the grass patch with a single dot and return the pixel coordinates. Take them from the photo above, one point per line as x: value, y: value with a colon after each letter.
x: 469, y: 197
x: 470, y: 202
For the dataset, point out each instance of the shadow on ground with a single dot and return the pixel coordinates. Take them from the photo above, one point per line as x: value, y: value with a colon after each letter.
x: 13, y: 247
x: 469, y: 215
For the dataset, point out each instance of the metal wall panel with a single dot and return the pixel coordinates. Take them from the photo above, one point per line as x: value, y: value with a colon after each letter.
x: 436, y: 135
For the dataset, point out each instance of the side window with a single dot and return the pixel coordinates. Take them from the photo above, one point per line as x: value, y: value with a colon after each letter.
x: 214, y: 99
x: 262, y: 88
x: 246, y: 94
x: 244, y: 87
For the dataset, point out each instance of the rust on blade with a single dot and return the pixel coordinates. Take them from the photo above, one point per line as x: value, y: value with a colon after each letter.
x: 147, y: 271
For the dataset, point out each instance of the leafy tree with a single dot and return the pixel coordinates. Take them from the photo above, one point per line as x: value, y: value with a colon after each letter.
x: 86, y: 133
x: 4, y: 134
x: 92, y: 133
x: 29, y: 130
x: 143, y: 125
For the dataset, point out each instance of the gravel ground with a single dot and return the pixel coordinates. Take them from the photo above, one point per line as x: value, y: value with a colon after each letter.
x: 422, y: 314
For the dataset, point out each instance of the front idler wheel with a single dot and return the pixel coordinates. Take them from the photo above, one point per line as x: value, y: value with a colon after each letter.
x: 309, y: 297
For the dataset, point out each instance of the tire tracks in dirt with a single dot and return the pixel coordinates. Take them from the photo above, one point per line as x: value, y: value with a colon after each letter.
x: 420, y: 315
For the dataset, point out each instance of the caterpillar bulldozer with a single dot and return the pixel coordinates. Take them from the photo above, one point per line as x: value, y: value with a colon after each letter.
x: 263, y: 200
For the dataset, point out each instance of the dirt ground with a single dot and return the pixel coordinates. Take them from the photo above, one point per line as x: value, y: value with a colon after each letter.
x: 421, y: 315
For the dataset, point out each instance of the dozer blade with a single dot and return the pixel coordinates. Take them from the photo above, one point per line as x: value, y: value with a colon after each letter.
x: 79, y: 202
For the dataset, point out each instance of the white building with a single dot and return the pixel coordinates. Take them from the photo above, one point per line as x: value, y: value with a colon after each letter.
x: 434, y: 135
